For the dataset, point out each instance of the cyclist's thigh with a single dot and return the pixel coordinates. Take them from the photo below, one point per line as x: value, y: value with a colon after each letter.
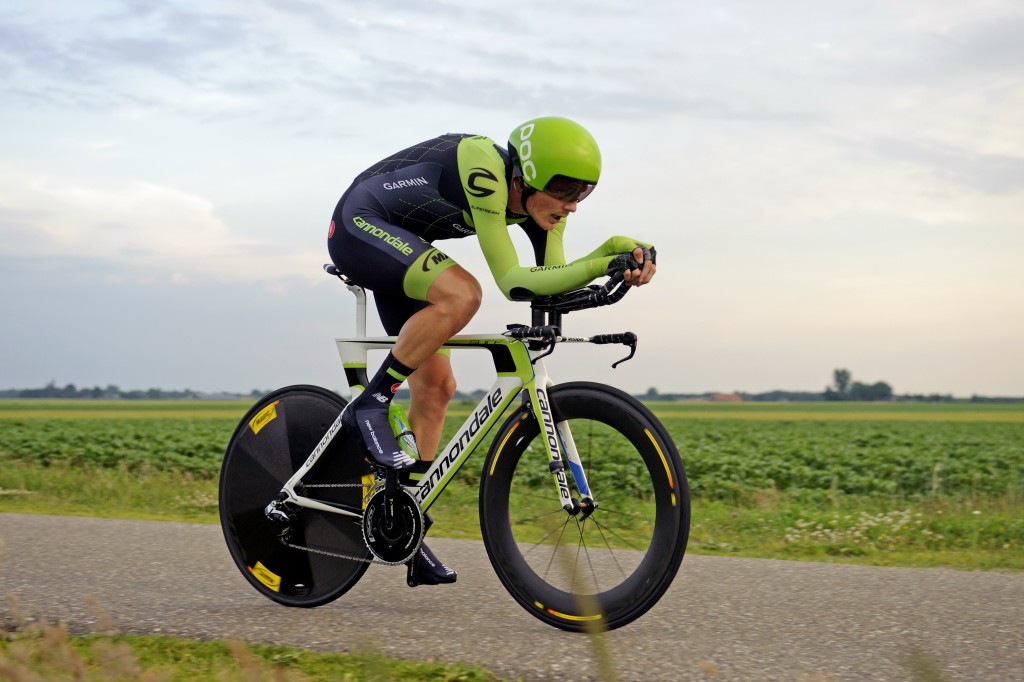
x: 395, y: 310
x: 393, y: 262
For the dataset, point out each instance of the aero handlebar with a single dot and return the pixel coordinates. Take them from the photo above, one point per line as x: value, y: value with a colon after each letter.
x: 593, y: 296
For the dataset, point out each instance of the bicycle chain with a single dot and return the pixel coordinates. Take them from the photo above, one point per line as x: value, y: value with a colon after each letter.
x: 338, y: 555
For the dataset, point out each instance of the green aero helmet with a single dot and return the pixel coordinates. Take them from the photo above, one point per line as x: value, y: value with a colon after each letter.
x: 555, y: 155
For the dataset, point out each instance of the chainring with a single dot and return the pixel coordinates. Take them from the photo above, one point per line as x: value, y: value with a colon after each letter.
x: 393, y: 526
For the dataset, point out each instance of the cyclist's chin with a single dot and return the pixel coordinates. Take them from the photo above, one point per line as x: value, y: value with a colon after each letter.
x: 547, y: 221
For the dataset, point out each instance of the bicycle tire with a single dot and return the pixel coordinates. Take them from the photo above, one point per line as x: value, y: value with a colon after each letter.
x: 626, y: 554
x: 270, y: 443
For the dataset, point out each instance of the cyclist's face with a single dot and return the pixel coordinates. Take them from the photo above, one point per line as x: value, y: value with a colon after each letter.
x: 547, y: 211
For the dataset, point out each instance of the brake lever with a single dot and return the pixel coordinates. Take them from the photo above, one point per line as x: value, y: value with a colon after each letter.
x: 631, y: 342
x: 625, y: 338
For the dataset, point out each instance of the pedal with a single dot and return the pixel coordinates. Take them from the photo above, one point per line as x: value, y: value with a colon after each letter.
x: 414, y: 474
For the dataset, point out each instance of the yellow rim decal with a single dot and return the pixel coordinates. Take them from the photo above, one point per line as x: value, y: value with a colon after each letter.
x: 566, y: 616
x: 266, y: 576
x: 664, y: 462
x: 263, y: 417
x: 501, y: 447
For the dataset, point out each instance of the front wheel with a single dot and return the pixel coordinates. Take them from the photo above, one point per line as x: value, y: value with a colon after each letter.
x: 576, y: 571
x: 272, y: 441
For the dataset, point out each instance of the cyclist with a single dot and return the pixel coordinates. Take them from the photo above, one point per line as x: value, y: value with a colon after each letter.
x: 449, y: 187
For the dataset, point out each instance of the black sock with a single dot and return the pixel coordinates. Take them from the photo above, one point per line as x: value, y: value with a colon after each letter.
x: 369, y: 414
x: 381, y: 388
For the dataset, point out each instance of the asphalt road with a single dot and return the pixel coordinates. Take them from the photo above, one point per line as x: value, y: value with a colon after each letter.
x: 723, y: 619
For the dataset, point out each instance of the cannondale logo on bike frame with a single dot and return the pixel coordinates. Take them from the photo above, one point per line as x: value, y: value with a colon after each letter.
x: 463, y: 440
x: 552, y: 438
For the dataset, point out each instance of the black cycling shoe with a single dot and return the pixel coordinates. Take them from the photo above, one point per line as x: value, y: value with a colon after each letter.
x: 379, y: 444
x: 430, y: 569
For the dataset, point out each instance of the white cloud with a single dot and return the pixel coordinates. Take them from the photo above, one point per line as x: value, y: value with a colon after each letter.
x: 809, y: 203
x: 143, y: 230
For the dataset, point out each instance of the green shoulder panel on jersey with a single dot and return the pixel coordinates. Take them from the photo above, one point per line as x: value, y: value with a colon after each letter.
x: 482, y: 171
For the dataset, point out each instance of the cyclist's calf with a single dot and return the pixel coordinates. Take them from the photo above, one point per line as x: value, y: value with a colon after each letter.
x: 432, y: 387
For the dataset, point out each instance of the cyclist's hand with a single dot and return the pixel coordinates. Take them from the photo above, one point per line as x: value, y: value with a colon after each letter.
x: 643, y: 268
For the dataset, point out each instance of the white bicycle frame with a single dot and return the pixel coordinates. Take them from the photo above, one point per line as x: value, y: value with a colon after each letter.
x: 518, y: 368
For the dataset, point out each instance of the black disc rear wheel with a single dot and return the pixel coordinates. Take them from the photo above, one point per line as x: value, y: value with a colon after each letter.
x: 272, y: 441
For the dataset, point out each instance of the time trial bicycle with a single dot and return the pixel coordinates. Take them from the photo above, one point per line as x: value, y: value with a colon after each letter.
x: 584, y: 503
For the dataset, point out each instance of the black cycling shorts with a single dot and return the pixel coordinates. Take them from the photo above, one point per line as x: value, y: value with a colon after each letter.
x: 395, y: 264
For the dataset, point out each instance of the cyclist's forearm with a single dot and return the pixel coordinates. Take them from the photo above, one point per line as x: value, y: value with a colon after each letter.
x: 551, y: 279
x: 616, y: 245
x: 557, y: 278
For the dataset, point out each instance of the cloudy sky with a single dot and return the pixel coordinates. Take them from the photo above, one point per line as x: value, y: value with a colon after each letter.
x: 828, y: 184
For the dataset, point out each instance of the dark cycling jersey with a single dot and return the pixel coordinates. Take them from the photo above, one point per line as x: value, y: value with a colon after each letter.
x: 450, y: 187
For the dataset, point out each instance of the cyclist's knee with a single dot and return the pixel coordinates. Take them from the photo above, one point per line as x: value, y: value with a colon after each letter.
x: 458, y: 293
x: 437, y: 395
x: 433, y: 383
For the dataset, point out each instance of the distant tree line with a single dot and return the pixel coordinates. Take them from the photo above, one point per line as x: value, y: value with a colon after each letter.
x: 653, y: 394
x: 111, y: 392
x: 842, y: 388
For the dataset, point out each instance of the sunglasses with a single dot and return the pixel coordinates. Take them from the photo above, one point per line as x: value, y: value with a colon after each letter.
x: 568, y: 189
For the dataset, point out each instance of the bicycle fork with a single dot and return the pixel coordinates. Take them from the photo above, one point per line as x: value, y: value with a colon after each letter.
x: 558, y: 439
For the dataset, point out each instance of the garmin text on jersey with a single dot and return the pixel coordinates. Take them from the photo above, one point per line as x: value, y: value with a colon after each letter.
x: 414, y: 182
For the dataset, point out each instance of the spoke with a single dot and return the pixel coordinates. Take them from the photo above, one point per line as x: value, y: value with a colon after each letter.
x: 610, y: 553
x: 582, y: 548
x: 616, y: 512
x: 535, y: 545
x: 601, y: 528
x: 554, y: 550
x: 523, y: 495
x: 524, y: 519
x: 590, y: 562
x: 590, y: 438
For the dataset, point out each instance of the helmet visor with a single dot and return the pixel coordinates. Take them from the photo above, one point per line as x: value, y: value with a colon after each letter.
x: 568, y: 189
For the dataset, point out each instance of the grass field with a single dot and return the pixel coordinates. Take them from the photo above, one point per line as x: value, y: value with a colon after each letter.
x: 889, y: 484
x: 914, y: 484
x: 34, y: 654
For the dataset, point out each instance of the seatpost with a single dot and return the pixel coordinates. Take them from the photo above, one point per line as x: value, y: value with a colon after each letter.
x: 360, y: 295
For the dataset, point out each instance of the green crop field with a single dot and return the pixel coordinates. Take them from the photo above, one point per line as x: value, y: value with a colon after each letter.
x: 904, y: 483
